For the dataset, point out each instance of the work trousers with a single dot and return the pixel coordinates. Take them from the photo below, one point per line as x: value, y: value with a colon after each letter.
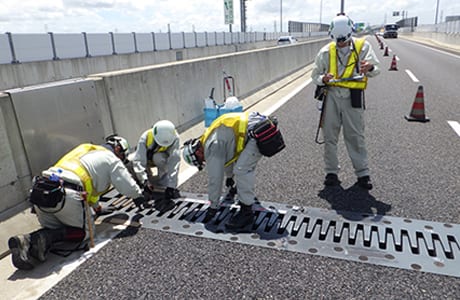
x: 72, y: 213
x: 339, y: 113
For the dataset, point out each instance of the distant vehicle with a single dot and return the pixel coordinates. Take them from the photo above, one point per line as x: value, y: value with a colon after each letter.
x: 390, y: 31
x: 285, y: 40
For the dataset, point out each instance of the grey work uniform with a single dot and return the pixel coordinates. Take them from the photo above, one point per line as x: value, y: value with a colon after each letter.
x: 220, y: 148
x: 339, y: 112
x: 167, y: 162
x: 104, y: 168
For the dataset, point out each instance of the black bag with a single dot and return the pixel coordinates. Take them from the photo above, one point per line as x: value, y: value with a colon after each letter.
x: 46, y: 193
x: 268, y: 136
x: 356, y: 96
x: 320, y: 92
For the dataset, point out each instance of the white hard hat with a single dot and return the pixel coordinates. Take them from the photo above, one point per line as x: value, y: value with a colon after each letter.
x: 341, y: 28
x: 188, y: 153
x: 164, y: 133
x: 116, y: 140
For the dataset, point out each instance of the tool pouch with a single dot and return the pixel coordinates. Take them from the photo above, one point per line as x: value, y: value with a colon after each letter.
x: 320, y: 92
x: 46, y: 193
x: 268, y: 136
x: 356, y: 96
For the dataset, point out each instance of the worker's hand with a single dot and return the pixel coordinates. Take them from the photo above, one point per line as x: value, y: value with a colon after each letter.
x: 163, y: 205
x: 139, y: 201
x: 210, y: 213
x: 147, y: 186
x: 102, y: 211
x: 327, y: 77
x: 229, y: 182
x: 365, y: 67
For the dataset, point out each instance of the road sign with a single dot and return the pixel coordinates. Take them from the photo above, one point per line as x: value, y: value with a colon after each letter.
x: 228, y: 11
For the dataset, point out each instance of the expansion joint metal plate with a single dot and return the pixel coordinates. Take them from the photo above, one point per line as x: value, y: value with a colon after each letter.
x: 382, y: 240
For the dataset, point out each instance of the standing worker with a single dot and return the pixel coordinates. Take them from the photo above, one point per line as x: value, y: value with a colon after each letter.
x: 344, y: 66
x: 59, y: 197
x: 232, y: 145
x: 158, y: 147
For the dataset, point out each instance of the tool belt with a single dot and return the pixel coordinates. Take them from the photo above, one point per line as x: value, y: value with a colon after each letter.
x: 268, y: 136
x: 46, y: 193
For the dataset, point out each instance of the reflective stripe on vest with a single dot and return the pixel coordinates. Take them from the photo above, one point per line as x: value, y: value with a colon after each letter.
x: 149, y: 142
x: 239, y: 123
x: 71, y: 162
x: 351, y: 65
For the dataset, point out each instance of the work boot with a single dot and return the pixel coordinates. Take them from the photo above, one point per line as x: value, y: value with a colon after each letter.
x: 364, y: 182
x: 332, y: 180
x: 172, y: 193
x: 242, y: 219
x: 19, y: 247
x: 42, y: 240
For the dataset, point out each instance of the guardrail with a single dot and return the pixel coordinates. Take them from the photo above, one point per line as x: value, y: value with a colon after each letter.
x: 19, y: 48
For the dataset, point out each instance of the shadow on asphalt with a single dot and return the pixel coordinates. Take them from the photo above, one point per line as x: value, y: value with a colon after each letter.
x: 354, y: 203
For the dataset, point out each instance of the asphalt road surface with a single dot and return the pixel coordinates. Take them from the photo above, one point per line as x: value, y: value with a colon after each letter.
x: 415, y: 170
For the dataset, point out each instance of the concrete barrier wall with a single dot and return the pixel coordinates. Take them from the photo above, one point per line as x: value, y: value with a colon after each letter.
x: 26, y: 74
x: 126, y: 102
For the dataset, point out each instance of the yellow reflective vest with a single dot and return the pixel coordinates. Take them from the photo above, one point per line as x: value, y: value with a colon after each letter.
x: 71, y: 162
x: 239, y: 123
x: 350, y: 67
x: 149, y: 142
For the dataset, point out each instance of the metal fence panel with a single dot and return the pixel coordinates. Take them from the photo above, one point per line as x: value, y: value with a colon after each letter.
x: 99, y: 44
x: 162, y: 41
x: 201, y: 39
x: 144, y: 42
x: 124, y: 43
x: 69, y: 45
x: 5, y: 53
x: 32, y: 47
x: 189, y: 39
x: 177, y: 40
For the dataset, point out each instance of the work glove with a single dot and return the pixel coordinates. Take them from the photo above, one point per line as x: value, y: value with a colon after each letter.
x: 102, y: 211
x: 163, y: 205
x: 139, y: 201
x: 172, y: 193
x: 210, y: 213
x: 229, y: 182
x: 147, y: 186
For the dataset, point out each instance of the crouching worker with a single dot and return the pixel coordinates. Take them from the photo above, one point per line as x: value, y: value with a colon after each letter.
x: 159, y: 148
x: 62, y: 194
x: 232, y: 146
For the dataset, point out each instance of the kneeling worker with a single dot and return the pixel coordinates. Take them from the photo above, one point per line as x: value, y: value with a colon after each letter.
x: 59, y: 196
x: 158, y: 147
x: 232, y: 145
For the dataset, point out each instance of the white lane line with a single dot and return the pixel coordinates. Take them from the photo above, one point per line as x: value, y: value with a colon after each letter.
x: 455, y: 126
x: 412, y: 76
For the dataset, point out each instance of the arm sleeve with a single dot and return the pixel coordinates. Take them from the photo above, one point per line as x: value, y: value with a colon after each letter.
x: 123, y: 182
x: 140, y: 160
x: 368, y: 54
x: 320, y: 67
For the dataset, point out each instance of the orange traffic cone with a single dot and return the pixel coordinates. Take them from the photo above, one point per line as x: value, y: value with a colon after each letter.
x: 386, y: 51
x: 393, y: 66
x: 418, y: 108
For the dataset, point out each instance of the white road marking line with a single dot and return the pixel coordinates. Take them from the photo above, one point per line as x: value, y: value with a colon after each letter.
x: 455, y: 126
x: 412, y: 76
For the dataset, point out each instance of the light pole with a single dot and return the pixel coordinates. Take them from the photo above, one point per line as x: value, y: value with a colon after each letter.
x: 281, y: 15
x: 320, y: 12
x: 436, y: 16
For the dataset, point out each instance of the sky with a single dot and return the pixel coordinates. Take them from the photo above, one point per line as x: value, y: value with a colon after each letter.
x: 123, y: 16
